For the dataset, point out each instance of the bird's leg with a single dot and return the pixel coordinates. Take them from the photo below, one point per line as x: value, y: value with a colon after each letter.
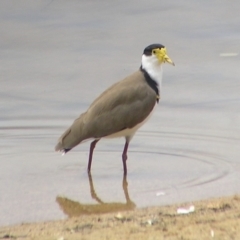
x: 92, y: 146
x: 92, y: 190
x: 124, y: 157
x: 125, y: 188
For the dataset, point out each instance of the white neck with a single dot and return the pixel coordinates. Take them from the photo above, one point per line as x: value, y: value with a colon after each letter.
x: 153, y: 67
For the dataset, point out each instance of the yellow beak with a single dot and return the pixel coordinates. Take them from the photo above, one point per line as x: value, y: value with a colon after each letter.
x: 162, y: 56
x: 167, y: 59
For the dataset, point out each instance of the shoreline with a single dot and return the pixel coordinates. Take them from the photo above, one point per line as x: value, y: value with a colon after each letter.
x: 217, y: 218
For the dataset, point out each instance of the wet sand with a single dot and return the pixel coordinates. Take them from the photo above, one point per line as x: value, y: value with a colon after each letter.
x: 57, y: 57
x: 212, y: 219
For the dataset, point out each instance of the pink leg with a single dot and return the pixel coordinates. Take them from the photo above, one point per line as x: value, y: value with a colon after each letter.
x: 124, y: 157
x: 92, y: 146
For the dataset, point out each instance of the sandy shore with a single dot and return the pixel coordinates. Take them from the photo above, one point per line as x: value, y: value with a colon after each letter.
x: 211, y: 219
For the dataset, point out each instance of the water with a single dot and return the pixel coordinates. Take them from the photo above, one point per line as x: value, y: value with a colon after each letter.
x: 57, y: 57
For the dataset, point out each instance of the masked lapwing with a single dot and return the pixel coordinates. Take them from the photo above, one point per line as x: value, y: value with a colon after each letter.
x: 122, y: 109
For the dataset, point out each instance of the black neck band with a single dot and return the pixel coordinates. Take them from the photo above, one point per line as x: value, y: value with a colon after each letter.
x: 152, y: 83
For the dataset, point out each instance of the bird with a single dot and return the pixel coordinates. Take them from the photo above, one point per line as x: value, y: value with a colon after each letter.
x: 121, y: 109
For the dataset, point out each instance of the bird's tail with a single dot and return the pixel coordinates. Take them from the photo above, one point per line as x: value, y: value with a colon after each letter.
x: 63, y: 142
x: 71, y: 137
x: 59, y: 147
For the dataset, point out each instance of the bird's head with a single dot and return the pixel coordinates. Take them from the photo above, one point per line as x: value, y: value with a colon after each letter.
x: 156, y: 54
x: 152, y: 59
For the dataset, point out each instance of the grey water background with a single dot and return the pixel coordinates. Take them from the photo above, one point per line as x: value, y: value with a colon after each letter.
x: 56, y: 57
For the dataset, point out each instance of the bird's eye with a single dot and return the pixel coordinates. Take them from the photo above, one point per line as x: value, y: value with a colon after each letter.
x: 154, y: 51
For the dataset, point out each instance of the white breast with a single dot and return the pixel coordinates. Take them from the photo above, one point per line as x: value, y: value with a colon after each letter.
x: 153, y: 67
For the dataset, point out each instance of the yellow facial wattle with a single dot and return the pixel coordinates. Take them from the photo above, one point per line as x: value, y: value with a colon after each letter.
x: 162, y: 56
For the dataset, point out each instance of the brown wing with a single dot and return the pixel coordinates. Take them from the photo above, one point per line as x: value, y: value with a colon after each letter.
x: 122, y: 106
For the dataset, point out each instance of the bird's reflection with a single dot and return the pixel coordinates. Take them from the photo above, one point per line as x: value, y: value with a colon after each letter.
x: 74, y: 209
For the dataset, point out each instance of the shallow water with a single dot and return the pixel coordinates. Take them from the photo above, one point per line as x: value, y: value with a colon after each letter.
x: 57, y: 56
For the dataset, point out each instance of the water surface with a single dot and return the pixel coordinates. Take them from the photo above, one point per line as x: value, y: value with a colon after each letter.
x: 57, y: 56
